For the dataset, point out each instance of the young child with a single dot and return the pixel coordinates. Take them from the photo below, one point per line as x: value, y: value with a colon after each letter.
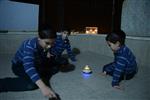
x: 62, y: 43
x: 124, y: 65
x: 32, y: 66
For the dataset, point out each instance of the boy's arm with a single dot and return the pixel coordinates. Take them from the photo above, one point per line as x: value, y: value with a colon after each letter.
x: 28, y: 63
x: 69, y: 50
x: 29, y: 67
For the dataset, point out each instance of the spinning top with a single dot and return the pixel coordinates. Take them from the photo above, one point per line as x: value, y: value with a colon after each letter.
x: 87, y: 70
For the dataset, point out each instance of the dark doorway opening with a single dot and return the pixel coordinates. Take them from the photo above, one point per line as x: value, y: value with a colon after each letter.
x: 78, y: 14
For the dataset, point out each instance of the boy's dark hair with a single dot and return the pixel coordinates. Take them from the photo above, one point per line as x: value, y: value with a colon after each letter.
x: 47, y: 33
x: 116, y: 36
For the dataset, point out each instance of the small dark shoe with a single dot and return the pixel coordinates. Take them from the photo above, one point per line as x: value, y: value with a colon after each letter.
x: 67, y: 68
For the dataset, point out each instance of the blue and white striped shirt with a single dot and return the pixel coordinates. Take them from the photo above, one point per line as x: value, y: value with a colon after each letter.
x: 25, y: 55
x: 124, y: 62
x: 61, y: 45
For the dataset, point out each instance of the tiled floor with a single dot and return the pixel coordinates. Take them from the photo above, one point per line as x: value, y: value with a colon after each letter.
x: 74, y: 86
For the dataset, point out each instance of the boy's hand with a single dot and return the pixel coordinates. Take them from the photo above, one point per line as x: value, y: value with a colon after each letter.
x: 58, y: 97
x: 74, y: 60
x: 49, y: 55
x: 47, y: 92
x: 118, y: 87
x: 103, y: 74
x: 73, y: 63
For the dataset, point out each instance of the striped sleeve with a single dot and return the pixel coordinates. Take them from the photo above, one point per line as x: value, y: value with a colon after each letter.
x: 58, y: 46
x: 120, y: 63
x: 69, y: 51
x: 28, y: 63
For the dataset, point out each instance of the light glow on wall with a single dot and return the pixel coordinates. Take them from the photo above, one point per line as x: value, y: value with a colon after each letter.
x: 91, y: 30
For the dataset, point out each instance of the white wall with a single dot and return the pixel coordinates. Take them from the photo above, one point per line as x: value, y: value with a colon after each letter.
x: 16, y: 16
x: 140, y: 46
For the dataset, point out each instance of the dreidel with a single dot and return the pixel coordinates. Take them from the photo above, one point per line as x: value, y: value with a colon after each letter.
x: 87, y: 70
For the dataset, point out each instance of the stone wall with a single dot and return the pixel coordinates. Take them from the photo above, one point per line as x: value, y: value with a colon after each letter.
x: 135, y: 19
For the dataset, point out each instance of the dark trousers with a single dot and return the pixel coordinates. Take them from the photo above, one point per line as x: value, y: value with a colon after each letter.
x: 22, y: 82
x: 62, y: 60
x: 109, y: 69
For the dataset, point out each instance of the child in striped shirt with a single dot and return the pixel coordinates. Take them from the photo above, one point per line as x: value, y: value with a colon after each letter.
x: 124, y: 65
x: 32, y: 65
x: 61, y: 44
